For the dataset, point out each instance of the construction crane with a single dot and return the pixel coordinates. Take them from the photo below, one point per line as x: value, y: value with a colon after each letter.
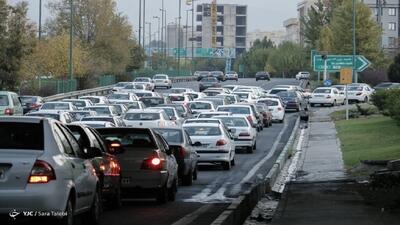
x: 214, y: 21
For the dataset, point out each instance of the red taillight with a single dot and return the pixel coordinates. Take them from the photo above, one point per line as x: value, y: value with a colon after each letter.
x: 359, y: 93
x: 250, y: 119
x: 221, y: 142
x: 9, y: 111
x: 243, y: 134
x: 152, y: 164
x: 182, y: 152
x: 41, y: 173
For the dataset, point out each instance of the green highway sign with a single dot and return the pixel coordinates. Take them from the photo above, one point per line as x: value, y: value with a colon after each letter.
x: 337, y: 62
x: 182, y: 52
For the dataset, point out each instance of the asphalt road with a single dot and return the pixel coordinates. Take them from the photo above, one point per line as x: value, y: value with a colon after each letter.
x: 215, y: 188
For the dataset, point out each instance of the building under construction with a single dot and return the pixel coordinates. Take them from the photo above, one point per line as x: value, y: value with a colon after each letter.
x: 221, y: 26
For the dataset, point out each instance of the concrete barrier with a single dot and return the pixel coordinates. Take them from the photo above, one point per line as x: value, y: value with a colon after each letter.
x: 238, y: 211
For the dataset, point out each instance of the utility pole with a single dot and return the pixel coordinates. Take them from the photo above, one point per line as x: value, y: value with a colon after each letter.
x: 140, y: 22
x: 40, y: 20
x: 144, y: 23
x: 186, y: 36
x: 179, y: 38
x: 71, y: 30
x: 192, y: 67
x: 158, y: 39
x: 355, y: 75
x: 150, y: 53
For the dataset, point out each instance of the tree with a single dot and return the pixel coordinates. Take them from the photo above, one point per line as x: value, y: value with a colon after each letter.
x: 325, y: 41
x: 288, y: 59
x: 16, y: 42
x: 394, y: 70
x: 368, y: 32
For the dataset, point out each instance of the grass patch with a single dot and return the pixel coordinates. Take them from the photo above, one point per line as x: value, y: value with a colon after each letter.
x: 373, y: 138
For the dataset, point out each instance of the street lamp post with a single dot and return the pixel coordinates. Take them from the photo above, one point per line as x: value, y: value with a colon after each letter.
x: 355, y: 75
x: 149, y: 48
x: 71, y: 30
x: 40, y: 20
x: 192, y: 69
x: 158, y: 38
x: 144, y: 23
x: 186, y: 36
x: 179, y: 38
x: 140, y: 22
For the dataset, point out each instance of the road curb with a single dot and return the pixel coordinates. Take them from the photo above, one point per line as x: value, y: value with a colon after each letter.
x: 238, y: 211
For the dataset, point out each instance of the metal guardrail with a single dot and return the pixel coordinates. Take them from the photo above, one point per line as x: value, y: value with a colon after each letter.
x: 103, y: 90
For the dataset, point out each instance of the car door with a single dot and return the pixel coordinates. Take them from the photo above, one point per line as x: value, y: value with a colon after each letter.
x: 172, y: 165
x: 193, y: 156
x: 17, y: 107
x: 82, y: 171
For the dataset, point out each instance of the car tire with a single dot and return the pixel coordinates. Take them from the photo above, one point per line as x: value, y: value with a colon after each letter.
x: 162, y: 196
x: 69, y: 219
x: 187, y: 179
x: 256, y: 79
x: 233, y: 162
x: 116, y: 200
x: 250, y: 149
x: 312, y: 104
x: 93, y: 216
x: 195, y: 173
x: 281, y: 121
x: 172, y: 190
x: 226, y: 165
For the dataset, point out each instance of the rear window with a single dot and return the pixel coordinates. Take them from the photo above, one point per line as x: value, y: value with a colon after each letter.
x: 212, y: 93
x: 21, y: 136
x: 210, y: 115
x: 177, y: 91
x: 150, y: 102
x: 236, y: 110
x: 142, y: 116
x: 121, y: 85
x: 100, y: 110
x: 286, y: 94
x: 142, y: 80
x: 4, y: 100
x: 55, y: 106
x: 143, y: 94
x: 234, y: 122
x: 79, y: 115
x: 172, y: 136
x: 107, y: 119
x: 209, y: 80
x: 133, y: 105
x: 203, y: 131
x: 199, y: 105
x: 79, y: 103
x: 340, y: 88
x: 322, y: 91
x: 94, y: 100
x: 161, y: 77
x: 177, y: 98
x: 276, y: 91
x: 243, y: 95
x: 269, y: 102
x: 27, y: 99
x: 129, y: 138
x: 355, y: 88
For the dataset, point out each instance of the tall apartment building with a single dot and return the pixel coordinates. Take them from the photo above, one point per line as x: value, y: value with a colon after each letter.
x: 292, y: 26
x: 231, y: 27
x: 172, y: 36
x: 387, y: 15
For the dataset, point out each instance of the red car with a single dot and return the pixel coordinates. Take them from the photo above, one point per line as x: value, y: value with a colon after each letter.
x: 267, y: 115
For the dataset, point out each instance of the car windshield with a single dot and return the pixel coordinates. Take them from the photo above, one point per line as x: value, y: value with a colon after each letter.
x: 203, y: 131
x: 100, y: 110
x: 142, y: 116
x: 55, y: 106
x: 171, y: 135
x: 4, y: 100
x: 161, y: 77
x: 143, y: 94
x: 26, y: 99
x: 286, y: 94
x: 127, y: 138
x: 322, y: 91
x: 45, y: 115
x: 200, y: 105
x: 355, y: 88
x: 150, y: 102
x: 21, y: 136
x: 234, y: 122
x: 118, y: 97
x: 107, y: 119
x: 235, y: 110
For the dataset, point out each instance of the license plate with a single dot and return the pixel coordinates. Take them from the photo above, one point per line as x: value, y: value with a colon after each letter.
x: 319, y: 96
x: 126, y: 180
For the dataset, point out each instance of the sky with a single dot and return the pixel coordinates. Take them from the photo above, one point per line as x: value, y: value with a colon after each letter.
x: 264, y: 15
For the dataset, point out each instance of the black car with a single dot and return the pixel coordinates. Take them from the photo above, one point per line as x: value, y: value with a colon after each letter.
x: 293, y: 100
x: 263, y: 76
x: 106, y: 165
x: 31, y: 102
x: 181, y: 145
x: 202, y: 74
x: 219, y: 75
x: 208, y: 82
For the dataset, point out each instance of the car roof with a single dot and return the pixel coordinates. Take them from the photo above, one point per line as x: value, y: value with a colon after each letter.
x: 201, y: 125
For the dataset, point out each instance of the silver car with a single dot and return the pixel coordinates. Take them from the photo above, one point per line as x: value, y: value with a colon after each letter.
x: 43, y: 169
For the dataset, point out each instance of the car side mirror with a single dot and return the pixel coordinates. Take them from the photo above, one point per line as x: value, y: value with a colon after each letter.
x: 197, y: 144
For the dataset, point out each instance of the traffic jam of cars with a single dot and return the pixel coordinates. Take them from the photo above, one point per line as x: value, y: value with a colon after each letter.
x: 77, y: 156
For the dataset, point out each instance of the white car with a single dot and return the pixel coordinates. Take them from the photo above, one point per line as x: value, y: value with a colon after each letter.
x: 276, y: 107
x: 148, y: 82
x: 246, y: 96
x: 103, y: 110
x: 141, y: 94
x: 101, y: 100
x: 44, y: 170
x: 180, y: 90
x: 96, y: 124
x: 132, y: 87
x: 62, y: 116
x: 172, y: 113
x: 120, y: 85
x: 359, y: 92
x: 58, y: 106
x: 341, y: 88
x: 79, y: 103
x: 180, y: 98
x: 162, y: 80
x: 201, y: 106
x: 232, y: 75
x: 118, y: 97
x: 196, y: 95
x: 205, y: 115
x: 148, y: 118
x: 246, y: 110
x: 303, y: 75
x: 213, y: 143
x: 245, y: 136
x: 326, y: 96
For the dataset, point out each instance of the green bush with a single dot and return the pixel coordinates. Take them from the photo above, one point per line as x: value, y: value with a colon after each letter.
x: 379, y: 99
x: 388, y: 102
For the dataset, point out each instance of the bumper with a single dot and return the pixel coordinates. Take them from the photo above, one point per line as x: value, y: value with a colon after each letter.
x: 290, y: 105
x: 243, y: 143
x: 143, y: 179
x: 110, y: 186
x: 162, y: 85
x: 262, y: 78
x: 320, y: 101
x: 36, y: 197
x: 278, y: 115
x: 214, y: 156
x: 356, y: 98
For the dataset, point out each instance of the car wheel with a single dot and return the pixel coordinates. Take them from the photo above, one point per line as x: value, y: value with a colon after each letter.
x: 116, y: 201
x: 333, y: 104
x: 366, y: 100
x: 226, y: 165
x: 281, y: 121
x: 255, y: 145
x: 69, y: 210
x: 195, y: 173
x: 172, y: 190
x: 162, y: 196
x: 312, y: 104
x: 93, y: 215
x: 233, y: 161
x: 250, y: 149
x: 188, y: 178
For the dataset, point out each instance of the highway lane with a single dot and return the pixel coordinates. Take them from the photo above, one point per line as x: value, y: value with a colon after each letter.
x: 215, y: 188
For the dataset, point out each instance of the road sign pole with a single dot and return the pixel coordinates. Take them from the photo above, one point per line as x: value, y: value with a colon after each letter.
x: 319, y: 78
x: 347, y: 104
x: 325, y: 69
